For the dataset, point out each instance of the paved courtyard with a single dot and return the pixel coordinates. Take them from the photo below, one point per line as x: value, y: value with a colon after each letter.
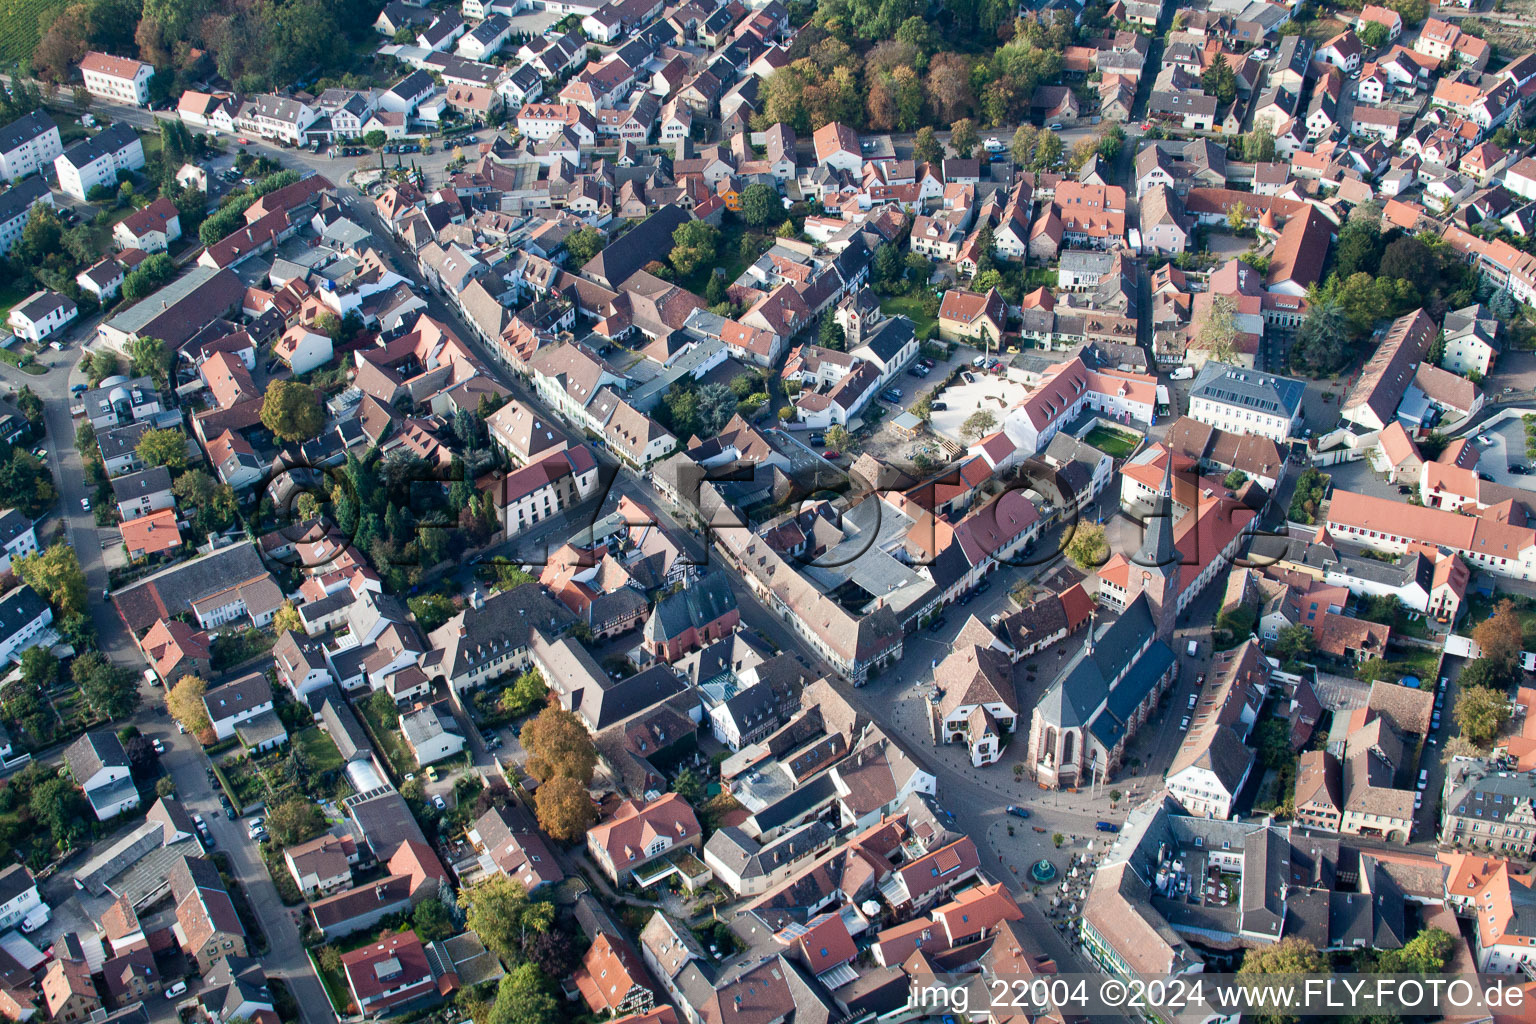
x: 961, y: 399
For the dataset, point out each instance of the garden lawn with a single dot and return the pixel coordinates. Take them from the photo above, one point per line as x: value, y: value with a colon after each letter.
x: 388, y: 736
x: 319, y: 751
x: 1115, y: 443
x: 11, y: 292
x: 911, y: 307
x: 1415, y: 661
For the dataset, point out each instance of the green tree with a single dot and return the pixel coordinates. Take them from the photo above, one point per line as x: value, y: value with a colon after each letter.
x: 925, y: 146
x: 1087, y: 549
x: 375, y: 139
x: 110, y: 688
x: 1374, y: 670
x: 30, y: 405
x: 831, y: 334
x: 688, y: 786
x: 430, y: 921
x: 103, y: 363
x: 1322, y: 344
x: 979, y: 424
x: 55, y: 573
x: 58, y: 806
x: 1259, y: 145
x: 584, y: 244
x: 1413, y: 11
x: 760, y: 205
x: 837, y: 437
x: 39, y: 668
x: 287, y: 619
x: 694, y: 245
x: 1022, y: 148
x: 291, y: 410
x: 526, y: 693
x: 166, y: 447
x: 1425, y: 953
x: 295, y: 820
x: 524, y: 998
x: 500, y: 911
x: 26, y: 484
x: 716, y: 406
x: 1481, y: 712
x: 1048, y: 148
x: 213, y: 504
x: 1294, y: 643
x: 1289, y: 956
x: 1220, y: 80
x: 149, y: 357
x: 962, y: 137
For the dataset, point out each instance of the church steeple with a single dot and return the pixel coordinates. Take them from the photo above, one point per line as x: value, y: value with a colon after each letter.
x: 1158, y: 562
x: 1157, y: 547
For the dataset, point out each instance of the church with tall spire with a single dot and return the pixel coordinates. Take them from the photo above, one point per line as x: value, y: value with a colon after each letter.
x: 1155, y: 568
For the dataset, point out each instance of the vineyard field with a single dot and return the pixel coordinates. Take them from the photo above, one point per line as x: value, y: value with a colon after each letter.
x: 18, y: 27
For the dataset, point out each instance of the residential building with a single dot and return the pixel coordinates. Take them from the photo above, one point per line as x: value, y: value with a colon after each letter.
x: 24, y: 621
x: 97, y: 160
x: 41, y: 315
x: 18, y: 537
x: 117, y: 79
x: 1242, y: 401
x: 28, y: 145
x: 207, y: 926
x: 638, y: 834
x: 390, y: 976
x: 236, y: 702
x: 16, y: 206
x: 431, y: 733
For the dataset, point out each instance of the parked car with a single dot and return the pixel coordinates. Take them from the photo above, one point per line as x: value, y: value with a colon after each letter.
x: 1519, y: 470
x: 439, y: 802
x: 175, y: 990
x: 938, y: 624
x: 158, y: 746
x: 1423, y: 778
x: 1018, y: 812
x: 1107, y: 826
x: 832, y: 455
x: 928, y: 363
x: 1183, y: 723
x: 85, y: 504
x: 938, y: 406
x: 431, y: 773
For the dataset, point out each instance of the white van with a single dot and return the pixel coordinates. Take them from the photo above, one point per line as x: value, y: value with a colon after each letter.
x: 1193, y: 649
x: 1182, y: 373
